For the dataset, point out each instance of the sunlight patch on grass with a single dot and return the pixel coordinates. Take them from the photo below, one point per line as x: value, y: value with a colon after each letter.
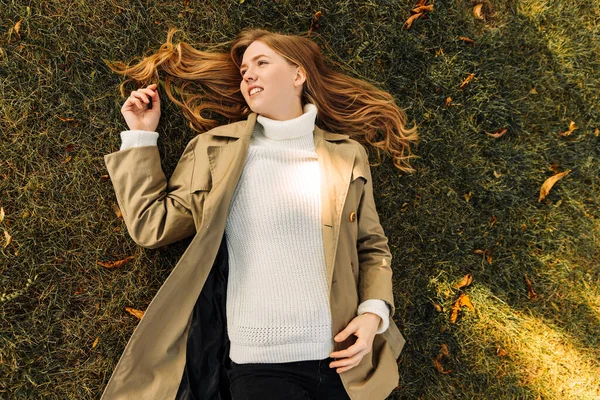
x: 539, y: 354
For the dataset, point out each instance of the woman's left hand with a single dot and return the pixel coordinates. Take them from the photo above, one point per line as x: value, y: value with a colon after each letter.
x: 364, y: 327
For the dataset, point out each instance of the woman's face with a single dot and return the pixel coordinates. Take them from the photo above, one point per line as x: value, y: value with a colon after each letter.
x: 279, y: 84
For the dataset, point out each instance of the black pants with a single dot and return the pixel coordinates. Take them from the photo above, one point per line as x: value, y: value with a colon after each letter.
x: 286, y: 381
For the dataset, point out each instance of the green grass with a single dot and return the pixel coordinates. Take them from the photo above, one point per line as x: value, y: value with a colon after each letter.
x: 60, y: 214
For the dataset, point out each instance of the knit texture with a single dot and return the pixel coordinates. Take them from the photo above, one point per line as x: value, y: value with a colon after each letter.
x: 277, y: 299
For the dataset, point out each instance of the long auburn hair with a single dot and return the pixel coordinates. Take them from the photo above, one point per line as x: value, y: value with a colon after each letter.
x: 209, y: 81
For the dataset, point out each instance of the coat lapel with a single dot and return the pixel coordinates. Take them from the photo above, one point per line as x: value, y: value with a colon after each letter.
x: 335, y: 164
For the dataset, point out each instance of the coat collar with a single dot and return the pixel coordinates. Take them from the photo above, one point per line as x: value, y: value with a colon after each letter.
x: 335, y: 163
x: 244, y: 129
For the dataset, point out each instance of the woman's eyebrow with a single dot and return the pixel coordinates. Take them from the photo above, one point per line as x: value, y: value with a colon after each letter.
x: 254, y: 58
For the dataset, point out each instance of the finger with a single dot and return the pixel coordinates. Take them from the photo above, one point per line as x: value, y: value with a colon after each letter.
x: 340, y: 337
x: 342, y: 363
x: 348, y: 362
x: 149, y: 92
x: 135, y: 102
x: 350, y: 351
x: 340, y: 370
x: 140, y: 96
x: 139, y: 100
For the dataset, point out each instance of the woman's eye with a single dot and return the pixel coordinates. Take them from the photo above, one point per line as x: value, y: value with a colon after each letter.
x: 261, y: 61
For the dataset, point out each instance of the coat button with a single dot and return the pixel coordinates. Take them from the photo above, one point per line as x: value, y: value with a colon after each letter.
x: 352, y: 216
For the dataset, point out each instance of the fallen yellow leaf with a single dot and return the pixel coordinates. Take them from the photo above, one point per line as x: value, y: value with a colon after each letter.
x: 548, y: 183
x: 572, y: 127
x: 499, y: 133
x: 117, y: 210
x: 477, y: 11
x: 115, y: 264
x: 7, y: 237
x: 465, y: 281
x: 500, y: 351
x: 412, y: 19
x: 466, y: 81
x: 466, y: 39
x: 464, y: 300
x: 422, y: 9
x: 137, y: 313
x: 437, y: 360
x: 96, y: 342
x: 18, y: 26
x: 438, y: 308
x: 530, y: 292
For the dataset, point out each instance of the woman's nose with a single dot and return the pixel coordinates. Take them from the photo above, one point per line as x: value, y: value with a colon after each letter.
x: 249, y: 75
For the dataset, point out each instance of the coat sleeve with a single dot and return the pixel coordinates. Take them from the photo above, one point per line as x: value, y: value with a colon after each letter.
x: 374, y: 256
x: 156, y: 211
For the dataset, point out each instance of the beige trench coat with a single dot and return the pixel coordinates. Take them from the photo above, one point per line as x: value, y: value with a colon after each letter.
x: 195, y: 201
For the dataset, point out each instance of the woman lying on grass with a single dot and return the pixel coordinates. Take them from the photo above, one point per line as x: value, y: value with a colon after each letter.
x: 285, y: 291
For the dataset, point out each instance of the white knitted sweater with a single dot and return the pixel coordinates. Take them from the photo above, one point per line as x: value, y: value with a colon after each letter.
x: 277, y: 301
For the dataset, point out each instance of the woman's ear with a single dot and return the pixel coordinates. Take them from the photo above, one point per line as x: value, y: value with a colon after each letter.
x: 300, y: 77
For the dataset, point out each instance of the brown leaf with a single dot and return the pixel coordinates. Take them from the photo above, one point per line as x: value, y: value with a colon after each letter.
x: 66, y: 119
x: 438, y: 308
x: 420, y: 3
x: 454, y: 315
x: 117, y: 210
x: 436, y: 361
x: 545, y: 189
x: 466, y: 39
x: 104, y: 177
x: 137, y: 313
x: 315, y: 22
x: 7, y: 237
x: 96, y: 342
x: 115, y: 264
x: 78, y: 291
x: 412, y: 19
x: 17, y: 27
x: 66, y: 160
x: 422, y: 9
x: 572, y: 127
x: 448, y: 101
x: 488, y: 254
x: 499, y: 133
x: 465, y: 281
x: 493, y: 221
x: 530, y: 292
x: 466, y: 81
x: 444, y: 350
x: 464, y: 300
x: 477, y: 11
x: 500, y: 351
x: 553, y: 167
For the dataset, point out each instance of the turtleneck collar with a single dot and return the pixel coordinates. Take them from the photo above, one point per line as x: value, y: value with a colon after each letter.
x: 291, y: 128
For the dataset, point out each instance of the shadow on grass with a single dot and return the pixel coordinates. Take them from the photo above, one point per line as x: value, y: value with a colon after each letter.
x: 466, y: 180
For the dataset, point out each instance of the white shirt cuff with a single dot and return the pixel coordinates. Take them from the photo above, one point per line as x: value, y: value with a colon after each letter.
x: 378, y: 307
x: 138, y: 138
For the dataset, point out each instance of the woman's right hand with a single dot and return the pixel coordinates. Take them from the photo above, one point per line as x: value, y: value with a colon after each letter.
x: 136, y: 112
